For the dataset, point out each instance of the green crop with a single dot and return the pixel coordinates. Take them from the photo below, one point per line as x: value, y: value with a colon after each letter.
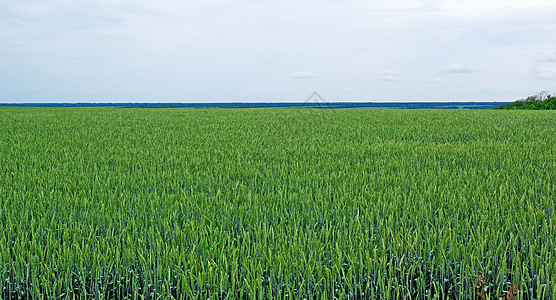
x: 277, y: 203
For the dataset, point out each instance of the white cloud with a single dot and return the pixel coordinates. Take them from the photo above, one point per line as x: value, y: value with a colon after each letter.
x: 269, y: 90
x: 548, y: 58
x: 356, y: 49
x: 434, y: 79
x: 459, y: 68
x: 544, y: 67
x: 545, y: 73
x: 489, y: 9
x: 391, y: 76
x: 304, y: 74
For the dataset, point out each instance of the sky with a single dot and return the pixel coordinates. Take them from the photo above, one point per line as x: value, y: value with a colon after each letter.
x: 270, y: 51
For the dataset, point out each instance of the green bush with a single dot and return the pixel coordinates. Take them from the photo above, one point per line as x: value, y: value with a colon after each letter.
x: 540, y: 101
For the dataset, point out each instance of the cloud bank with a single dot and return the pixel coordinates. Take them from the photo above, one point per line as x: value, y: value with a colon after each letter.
x: 138, y: 50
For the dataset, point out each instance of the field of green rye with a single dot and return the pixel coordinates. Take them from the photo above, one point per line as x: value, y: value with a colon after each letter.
x: 277, y: 203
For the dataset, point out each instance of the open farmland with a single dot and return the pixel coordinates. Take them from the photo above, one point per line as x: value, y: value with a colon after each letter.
x: 277, y: 203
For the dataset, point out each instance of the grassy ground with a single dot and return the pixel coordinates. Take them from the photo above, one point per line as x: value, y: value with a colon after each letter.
x: 277, y: 203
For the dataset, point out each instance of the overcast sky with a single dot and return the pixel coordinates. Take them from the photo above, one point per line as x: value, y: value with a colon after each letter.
x: 234, y: 50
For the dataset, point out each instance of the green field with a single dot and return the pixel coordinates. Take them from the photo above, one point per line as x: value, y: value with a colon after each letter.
x: 277, y: 203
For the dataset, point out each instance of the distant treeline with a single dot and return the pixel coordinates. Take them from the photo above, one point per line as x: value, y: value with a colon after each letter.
x: 540, y: 101
x: 308, y: 104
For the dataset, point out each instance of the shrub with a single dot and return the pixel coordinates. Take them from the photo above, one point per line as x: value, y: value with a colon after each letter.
x: 542, y: 100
